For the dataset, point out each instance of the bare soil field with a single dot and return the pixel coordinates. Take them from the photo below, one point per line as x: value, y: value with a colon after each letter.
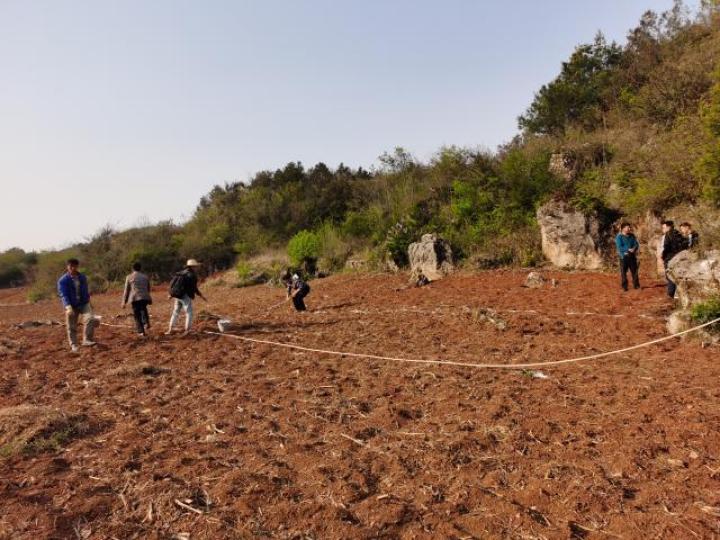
x: 206, y: 436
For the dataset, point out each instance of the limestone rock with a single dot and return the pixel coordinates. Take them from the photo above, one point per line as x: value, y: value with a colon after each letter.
x: 570, y: 239
x: 697, y: 277
x: 431, y: 257
x: 535, y: 280
x: 678, y: 321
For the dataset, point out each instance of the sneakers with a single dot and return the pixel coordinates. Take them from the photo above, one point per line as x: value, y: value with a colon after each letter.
x: 74, y: 348
x: 89, y: 343
x: 168, y: 333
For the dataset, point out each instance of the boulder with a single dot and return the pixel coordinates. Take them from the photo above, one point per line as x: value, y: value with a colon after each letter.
x: 697, y: 277
x: 431, y: 257
x: 570, y: 238
x: 534, y: 280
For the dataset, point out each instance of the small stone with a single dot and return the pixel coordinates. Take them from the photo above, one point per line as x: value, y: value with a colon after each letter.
x: 693, y: 454
x: 534, y: 280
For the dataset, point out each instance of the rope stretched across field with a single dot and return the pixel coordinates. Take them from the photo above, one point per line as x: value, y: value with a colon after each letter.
x: 467, y: 364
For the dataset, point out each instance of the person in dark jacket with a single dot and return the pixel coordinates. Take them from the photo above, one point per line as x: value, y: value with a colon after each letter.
x: 672, y: 244
x: 692, y: 239
x: 137, y: 292
x: 297, y: 290
x: 627, y: 248
x: 73, y: 291
x: 190, y: 290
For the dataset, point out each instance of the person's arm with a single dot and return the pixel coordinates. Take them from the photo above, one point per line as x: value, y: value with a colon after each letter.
x: 62, y: 293
x: 619, y: 245
x: 126, y: 292
x: 197, y: 290
x: 635, y: 245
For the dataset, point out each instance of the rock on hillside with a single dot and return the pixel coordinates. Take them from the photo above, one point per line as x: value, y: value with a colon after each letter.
x: 570, y: 239
x: 431, y: 256
x: 697, y: 278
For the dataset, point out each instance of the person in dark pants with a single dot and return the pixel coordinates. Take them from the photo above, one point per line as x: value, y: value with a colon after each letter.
x: 673, y: 243
x: 137, y: 292
x: 297, y: 289
x: 627, y: 248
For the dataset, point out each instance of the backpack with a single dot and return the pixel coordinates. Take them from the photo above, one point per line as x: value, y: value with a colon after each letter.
x: 177, y: 285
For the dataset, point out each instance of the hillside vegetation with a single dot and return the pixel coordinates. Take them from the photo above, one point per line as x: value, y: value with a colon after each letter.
x: 637, y: 127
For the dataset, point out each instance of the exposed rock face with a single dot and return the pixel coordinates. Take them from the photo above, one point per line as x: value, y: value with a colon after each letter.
x: 561, y: 164
x: 570, y: 239
x: 431, y: 257
x: 697, y: 278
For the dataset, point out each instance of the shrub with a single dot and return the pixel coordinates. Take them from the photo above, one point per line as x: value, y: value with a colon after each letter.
x: 707, y: 311
x: 304, y: 249
x: 334, y: 249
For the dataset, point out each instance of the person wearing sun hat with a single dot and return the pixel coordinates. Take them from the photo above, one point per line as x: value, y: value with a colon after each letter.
x: 183, y: 288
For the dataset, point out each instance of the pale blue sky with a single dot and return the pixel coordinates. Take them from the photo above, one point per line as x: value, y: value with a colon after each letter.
x: 114, y: 111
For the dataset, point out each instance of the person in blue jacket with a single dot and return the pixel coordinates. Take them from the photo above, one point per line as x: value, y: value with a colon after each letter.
x: 627, y: 248
x: 73, y: 291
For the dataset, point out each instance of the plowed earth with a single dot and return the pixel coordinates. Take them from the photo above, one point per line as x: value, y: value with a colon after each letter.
x: 205, y: 436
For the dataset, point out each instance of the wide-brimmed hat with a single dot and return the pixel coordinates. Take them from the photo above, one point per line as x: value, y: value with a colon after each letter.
x: 192, y: 262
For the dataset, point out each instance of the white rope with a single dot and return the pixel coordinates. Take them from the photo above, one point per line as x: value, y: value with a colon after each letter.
x: 467, y: 364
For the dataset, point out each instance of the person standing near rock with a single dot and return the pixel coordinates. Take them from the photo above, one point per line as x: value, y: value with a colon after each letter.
x: 692, y: 239
x: 183, y: 288
x: 75, y: 295
x: 627, y: 248
x: 672, y: 244
x: 137, y: 292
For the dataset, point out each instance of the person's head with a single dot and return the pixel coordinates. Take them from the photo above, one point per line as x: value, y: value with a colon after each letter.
x: 685, y: 228
x: 137, y: 266
x: 668, y: 225
x: 192, y: 265
x: 72, y: 266
x: 625, y: 228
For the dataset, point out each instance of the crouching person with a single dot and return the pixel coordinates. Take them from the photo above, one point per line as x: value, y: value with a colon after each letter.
x: 137, y: 292
x: 297, y: 290
x: 183, y: 288
x: 75, y: 296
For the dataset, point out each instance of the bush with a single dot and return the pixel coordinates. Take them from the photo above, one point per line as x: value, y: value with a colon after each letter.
x: 334, y: 249
x: 706, y: 311
x: 304, y: 249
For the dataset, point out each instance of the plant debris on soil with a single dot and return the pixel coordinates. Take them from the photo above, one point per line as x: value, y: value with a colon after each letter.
x: 204, y: 436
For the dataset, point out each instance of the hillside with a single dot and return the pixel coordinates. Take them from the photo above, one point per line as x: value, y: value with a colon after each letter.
x: 636, y: 126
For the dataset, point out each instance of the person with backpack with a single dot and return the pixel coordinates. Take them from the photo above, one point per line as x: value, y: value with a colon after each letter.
x: 183, y: 288
x: 137, y: 292
x: 627, y: 248
x: 73, y: 290
x: 297, y: 290
x: 672, y: 244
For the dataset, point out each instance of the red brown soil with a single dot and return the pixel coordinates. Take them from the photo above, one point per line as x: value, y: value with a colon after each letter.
x: 258, y: 441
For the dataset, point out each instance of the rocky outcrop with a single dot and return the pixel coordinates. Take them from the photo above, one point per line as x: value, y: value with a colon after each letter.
x: 431, y: 257
x: 697, y: 278
x: 570, y: 239
x: 562, y: 165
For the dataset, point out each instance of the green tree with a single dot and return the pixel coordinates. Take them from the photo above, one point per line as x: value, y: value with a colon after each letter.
x: 578, y: 96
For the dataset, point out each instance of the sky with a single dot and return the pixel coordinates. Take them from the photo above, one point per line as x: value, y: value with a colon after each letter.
x: 127, y: 112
